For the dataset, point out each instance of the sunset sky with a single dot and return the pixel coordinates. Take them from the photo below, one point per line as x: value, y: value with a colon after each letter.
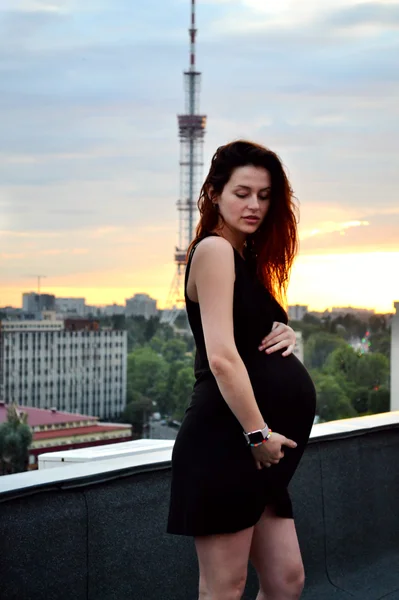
x: 89, y: 176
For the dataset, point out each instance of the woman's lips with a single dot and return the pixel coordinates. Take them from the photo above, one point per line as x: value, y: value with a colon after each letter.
x: 251, y: 219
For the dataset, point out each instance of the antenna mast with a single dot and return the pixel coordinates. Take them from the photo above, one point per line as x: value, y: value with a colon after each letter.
x: 39, y: 278
x: 191, y: 135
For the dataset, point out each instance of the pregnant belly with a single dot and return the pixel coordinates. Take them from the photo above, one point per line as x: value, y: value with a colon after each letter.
x: 284, y: 391
x: 211, y: 435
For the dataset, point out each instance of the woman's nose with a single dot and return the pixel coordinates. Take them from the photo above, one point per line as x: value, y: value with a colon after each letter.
x: 253, y: 202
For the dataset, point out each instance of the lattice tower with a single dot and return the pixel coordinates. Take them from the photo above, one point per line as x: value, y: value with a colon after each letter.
x: 191, y: 134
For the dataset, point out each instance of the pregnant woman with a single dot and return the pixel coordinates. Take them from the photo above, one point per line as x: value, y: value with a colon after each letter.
x: 253, y: 402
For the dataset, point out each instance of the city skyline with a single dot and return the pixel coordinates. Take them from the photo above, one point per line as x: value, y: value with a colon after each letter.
x: 89, y: 172
x: 84, y: 304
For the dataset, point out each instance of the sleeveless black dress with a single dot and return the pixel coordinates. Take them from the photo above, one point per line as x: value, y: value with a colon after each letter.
x: 216, y: 487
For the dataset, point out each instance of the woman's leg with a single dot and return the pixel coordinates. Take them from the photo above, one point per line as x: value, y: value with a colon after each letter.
x: 223, y: 564
x: 276, y: 556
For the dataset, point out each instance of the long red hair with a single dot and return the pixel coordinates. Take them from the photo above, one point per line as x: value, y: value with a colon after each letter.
x: 274, y: 245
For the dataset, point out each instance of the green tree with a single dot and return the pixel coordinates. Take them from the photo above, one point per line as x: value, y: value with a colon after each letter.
x: 182, y: 321
x: 318, y: 348
x: 311, y: 319
x: 332, y: 403
x: 380, y: 342
x: 166, y: 332
x: 379, y: 400
x: 135, y: 332
x: 377, y: 324
x: 343, y: 360
x: 174, y: 350
x: 372, y: 370
x: 15, y: 439
x: 168, y: 403
x: 190, y: 344
x: 360, y: 400
x: 306, y: 327
x: 182, y: 391
x: 156, y: 343
x: 150, y: 328
x: 352, y: 325
x: 175, y: 354
x: 146, y: 373
x: 358, y: 375
x: 118, y: 322
x: 137, y: 412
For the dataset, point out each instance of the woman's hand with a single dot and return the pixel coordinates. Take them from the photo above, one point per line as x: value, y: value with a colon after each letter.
x: 281, y: 336
x: 270, y: 453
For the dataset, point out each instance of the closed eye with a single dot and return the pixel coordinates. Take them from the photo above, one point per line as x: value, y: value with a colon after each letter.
x: 260, y: 197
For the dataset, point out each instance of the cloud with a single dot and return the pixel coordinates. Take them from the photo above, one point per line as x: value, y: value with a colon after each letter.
x: 71, y: 211
x: 376, y: 14
x: 379, y: 232
x: 12, y: 255
x: 291, y: 14
x: 58, y: 251
x: 331, y: 227
x: 29, y: 6
x: 29, y: 234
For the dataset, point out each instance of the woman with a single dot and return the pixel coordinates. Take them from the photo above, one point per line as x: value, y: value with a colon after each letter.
x: 229, y: 490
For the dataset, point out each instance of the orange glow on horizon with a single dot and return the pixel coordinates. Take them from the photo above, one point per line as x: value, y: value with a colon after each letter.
x: 362, y: 280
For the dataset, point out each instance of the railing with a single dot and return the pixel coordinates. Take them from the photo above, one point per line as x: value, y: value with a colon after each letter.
x: 97, y: 530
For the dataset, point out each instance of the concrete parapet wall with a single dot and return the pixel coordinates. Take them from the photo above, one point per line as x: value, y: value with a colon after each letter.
x: 101, y: 536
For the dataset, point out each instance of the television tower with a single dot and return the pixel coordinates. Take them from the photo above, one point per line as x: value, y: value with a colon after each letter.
x: 191, y: 135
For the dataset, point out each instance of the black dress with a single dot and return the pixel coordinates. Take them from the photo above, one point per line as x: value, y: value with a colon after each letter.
x: 216, y: 487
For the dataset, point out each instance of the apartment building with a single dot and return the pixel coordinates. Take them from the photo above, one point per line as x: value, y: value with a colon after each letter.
x: 141, y: 305
x: 70, y: 365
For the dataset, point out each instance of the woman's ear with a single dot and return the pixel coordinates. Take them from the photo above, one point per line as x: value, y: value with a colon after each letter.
x: 211, y: 194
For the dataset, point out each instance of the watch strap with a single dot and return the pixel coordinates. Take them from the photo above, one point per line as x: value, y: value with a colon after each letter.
x: 254, y: 437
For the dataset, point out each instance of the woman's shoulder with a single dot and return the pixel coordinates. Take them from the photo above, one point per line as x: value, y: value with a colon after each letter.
x: 214, y: 247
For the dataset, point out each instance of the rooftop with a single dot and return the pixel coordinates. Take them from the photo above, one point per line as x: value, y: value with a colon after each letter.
x: 96, y: 530
x: 44, y: 416
x: 78, y: 431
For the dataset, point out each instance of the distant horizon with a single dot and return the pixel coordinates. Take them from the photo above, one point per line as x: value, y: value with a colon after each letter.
x: 97, y: 304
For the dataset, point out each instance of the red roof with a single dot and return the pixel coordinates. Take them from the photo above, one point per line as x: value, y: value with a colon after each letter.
x: 42, y: 416
x: 75, y: 431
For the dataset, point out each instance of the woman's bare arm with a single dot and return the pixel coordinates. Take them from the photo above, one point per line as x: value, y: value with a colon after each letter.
x: 213, y: 274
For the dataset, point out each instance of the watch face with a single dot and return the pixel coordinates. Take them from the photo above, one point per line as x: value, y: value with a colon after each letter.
x: 256, y: 438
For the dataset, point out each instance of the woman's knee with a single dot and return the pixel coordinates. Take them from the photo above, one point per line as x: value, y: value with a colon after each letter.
x: 296, y: 581
x: 288, y: 584
x: 225, y: 586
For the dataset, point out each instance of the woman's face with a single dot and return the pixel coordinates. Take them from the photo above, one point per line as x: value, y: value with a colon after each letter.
x: 245, y: 199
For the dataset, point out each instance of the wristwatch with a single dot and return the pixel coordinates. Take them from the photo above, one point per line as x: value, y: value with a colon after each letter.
x: 257, y: 437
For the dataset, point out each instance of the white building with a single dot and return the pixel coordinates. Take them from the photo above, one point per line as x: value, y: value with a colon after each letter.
x: 71, y: 365
x: 48, y: 324
x: 92, y: 311
x: 10, y: 312
x: 71, y: 306
x: 36, y: 303
x: 141, y: 305
x: 298, y: 349
x: 395, y: 359
x: 297, y: 312
x: 113, y: 309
